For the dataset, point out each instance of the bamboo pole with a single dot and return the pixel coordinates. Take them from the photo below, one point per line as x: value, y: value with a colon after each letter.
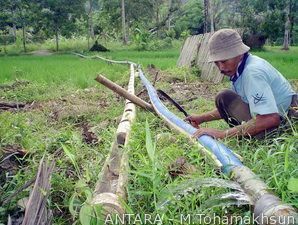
x: 268, y: 208
x: 129, y: 112
x: 110, y: 188
x: 36, y: 209
x: 121, y: 91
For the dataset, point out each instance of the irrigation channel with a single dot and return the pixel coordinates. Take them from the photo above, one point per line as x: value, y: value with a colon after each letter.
x: 110, y: 191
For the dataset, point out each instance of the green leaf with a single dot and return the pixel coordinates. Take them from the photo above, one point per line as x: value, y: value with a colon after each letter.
x: 293, y: 184
x: 71, y: 206
x: 72, y: 158
x: 142, y: 174
x: 80, y: 184
x: 149, y: 144
x: 86, y: 214
x: 87, y: 175
x: 69, y: 154
x: 2, y: 210
x: 88, y: 194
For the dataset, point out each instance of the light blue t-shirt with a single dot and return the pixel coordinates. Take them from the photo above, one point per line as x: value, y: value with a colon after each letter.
x: 263, y: 88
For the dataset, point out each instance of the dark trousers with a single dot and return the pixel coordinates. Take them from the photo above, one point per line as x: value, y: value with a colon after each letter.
x: 235, y: 111
x: 231, y: 108
x: 293, y: 111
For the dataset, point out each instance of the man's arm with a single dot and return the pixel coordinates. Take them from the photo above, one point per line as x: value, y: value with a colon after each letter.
x: 196, y: 120
x: 250, y: 128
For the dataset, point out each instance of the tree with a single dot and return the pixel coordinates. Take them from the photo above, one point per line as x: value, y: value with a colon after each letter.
x: 157, y: 10
x: 4, y: 24
x: 143, y: 14
x: 123, y: 22
x: 265, y: 18
x: 169, y: 20
x: 293, y: 21
x: 90, y: 28
x: 168, y: 13
x: 108, y: 18
x: 206, y: 12
x: 190, y: 19
x: 287, y: 27
x: 222, y: 14
x: 23, y: 17
x: 5, y: 18
x: 211, y: 10
x: 59, y: 16
x: 18, y: 15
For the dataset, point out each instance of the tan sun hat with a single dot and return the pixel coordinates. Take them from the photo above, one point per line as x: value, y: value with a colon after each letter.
x: 226, y: 44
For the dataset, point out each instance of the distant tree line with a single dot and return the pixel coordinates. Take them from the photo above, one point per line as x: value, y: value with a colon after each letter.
x: 140, y: 20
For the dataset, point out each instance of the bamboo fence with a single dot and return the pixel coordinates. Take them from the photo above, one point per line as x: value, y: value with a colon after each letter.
x: 195, y: 53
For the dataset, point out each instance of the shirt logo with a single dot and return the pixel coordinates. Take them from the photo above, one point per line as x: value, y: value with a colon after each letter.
x: 258, y: 98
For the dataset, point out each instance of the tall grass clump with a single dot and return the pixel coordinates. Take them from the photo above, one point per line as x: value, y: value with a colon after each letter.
x: 151, y: 183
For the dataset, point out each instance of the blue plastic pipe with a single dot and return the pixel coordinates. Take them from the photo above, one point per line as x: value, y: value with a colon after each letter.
x: 224, y: 155
x: 265, y: 203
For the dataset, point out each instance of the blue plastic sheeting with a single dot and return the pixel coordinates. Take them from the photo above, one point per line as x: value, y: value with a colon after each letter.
x: 224, y: 155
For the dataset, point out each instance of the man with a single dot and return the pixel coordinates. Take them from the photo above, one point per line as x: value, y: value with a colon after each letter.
x: 260, y: 97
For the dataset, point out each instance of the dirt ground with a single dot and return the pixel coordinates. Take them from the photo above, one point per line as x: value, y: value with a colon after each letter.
x: 184, y: 91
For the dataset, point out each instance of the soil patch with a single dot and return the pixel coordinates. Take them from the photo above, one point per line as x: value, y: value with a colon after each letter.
x: 190, y: 91
x: 75, y: 105
x: 15, y: 85
x: 10, y: 159
x: 11, y: 106
x: 181, y: 167
x: 183, y: 91
x: 89, y: 137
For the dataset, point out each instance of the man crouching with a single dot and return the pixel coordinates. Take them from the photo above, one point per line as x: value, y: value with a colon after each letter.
x: 260, y: 97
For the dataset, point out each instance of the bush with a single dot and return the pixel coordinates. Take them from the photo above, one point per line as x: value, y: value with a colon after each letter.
x: 254, y: 41
x: 144, y: 41
x: 158, y: 44
x: 141, y: 38
x: 7, y: 39
x: 67, y: 44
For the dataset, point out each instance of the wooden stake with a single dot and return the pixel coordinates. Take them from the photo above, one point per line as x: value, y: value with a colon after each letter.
x: 121, y: 91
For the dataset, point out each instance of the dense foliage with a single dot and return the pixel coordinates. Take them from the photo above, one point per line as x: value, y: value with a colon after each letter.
x: 39, y: 20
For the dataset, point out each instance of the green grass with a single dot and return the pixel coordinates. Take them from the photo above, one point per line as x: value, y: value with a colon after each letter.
x: 284, y: 61
x: 53, y: 76
x: 164, y: 59
x: 63, y: 88
x: 57, y: 69
x: 273, y: 160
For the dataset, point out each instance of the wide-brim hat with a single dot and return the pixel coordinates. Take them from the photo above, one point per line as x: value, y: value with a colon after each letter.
x: 226, y: 44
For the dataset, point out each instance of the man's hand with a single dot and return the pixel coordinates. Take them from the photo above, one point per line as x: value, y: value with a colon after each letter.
x: 217, y: 134
x: 194, y: 120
